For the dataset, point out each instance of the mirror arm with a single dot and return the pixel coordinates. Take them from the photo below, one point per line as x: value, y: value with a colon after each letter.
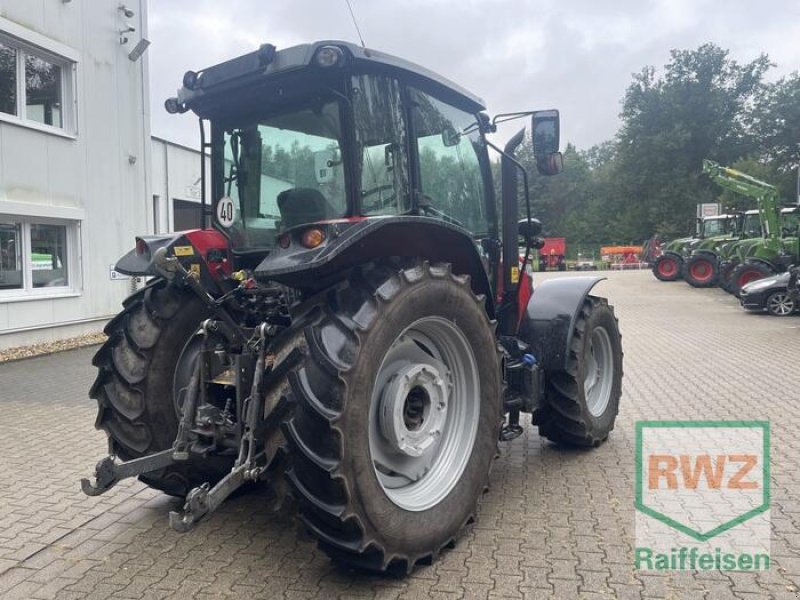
x: 504, y: 117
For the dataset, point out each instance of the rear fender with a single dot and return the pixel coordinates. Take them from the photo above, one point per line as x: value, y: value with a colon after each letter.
x: 203, y: 251
x: 549, y: 320
x: 352, y: 242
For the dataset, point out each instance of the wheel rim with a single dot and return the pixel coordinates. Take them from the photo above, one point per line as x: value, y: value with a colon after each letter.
x: 667, y: 267
x: 780, y: 304
x: 701, y: 270
x: 599, y: 372
x: 424, y: 413
x: 749, y: 276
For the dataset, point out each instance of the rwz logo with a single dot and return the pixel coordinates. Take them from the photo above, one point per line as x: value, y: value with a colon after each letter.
x: 691, y: 469
x: 702, y: 478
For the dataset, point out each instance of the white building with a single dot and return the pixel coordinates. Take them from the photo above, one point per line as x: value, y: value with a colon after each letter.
x: 176, y: 186
x: 74, y: 162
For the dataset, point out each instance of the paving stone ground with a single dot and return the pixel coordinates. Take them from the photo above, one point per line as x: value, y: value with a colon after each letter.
x: 556, y: 523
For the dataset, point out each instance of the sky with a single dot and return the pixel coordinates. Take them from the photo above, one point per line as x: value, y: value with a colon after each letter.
x: 577, y: 56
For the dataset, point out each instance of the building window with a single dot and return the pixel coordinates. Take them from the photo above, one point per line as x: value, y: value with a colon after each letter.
x: 10, y: 256
x: 8, y: 79
x: 36, y: 257
x: 36, y: 87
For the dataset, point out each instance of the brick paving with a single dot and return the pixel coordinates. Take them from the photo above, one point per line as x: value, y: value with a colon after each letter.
x: 556, y: 523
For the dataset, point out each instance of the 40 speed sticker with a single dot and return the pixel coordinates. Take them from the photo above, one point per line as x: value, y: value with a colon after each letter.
x: 226, y: 211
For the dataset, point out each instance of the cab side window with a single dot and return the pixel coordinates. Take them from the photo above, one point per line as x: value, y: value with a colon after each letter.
x: 451, y: 183
x: 381, y: 138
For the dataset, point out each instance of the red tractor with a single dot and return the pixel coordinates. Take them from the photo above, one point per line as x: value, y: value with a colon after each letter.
x: 351, y: 321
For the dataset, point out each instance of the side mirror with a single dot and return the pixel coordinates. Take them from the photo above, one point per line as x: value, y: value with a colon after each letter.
x: 529, y: 229
x: 324, y: 163
x: 450, y: 137
x: 545, y: 132
x: 551, y: 164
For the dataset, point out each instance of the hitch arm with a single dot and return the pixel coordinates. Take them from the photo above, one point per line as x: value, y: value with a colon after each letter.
x: 108, y: 472
x: 252, y: 460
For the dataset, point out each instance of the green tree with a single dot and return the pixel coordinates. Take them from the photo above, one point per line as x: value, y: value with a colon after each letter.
x: 700, y: 108
x: 778, y: 123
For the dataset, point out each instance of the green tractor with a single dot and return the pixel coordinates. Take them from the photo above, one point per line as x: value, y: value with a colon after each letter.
x: 669, y: 261
x: 354, y: 323
x: 774, y: 251
x: 701, y: 267
x: 731, y: 254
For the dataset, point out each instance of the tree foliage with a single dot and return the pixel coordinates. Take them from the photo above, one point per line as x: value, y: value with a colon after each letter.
x: 648, y: 179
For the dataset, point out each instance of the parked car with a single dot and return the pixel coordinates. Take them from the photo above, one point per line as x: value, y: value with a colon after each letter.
x: 769, y: 294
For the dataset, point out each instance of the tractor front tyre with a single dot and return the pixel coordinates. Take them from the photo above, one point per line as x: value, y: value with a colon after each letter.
x: 397, y: 411
x: 582, y: 401
x: 702, y: 270
x: 746, y: 273
x: 668, y: 267
x: 136, y: 383
x: 725, y: 272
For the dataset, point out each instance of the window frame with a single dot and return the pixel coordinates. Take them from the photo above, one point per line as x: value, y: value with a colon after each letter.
x: 219, y: 125
x: 68, y: 66
x: 74, y: 274
x: 357, y: 208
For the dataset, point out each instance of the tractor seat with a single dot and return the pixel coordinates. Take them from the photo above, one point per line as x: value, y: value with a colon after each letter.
x: 303, y: 205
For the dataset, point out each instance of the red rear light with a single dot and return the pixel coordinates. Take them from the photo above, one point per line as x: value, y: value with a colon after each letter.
x: 141, y: 246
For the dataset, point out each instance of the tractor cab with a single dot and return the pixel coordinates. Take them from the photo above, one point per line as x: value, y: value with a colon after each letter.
x: 751, y: 225
x: 790, y: 221
x: 317, y: 147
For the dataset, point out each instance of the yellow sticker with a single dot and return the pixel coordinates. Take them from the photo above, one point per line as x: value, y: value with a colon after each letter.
x: 514, y: 274
x: 194, y: 268
x: 183, y: 251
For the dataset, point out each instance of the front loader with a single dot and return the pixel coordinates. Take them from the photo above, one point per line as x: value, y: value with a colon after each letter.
x: 354, y: 324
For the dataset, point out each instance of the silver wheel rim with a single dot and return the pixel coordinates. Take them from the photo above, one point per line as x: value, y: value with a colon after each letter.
x: 780, y: 304
x: 599, y: 372
x: 424, y: 413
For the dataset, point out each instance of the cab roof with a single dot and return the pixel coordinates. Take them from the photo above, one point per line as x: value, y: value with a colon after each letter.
x: 267, y: 62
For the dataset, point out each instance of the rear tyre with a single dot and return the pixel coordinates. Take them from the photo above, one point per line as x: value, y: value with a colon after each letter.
x: 668, y: 267
x: 746, y: 273
x: 583, y: 400
x: 136, y: 384
x: 397, y: 414
x: 702, y: 270
x: 780, y: 304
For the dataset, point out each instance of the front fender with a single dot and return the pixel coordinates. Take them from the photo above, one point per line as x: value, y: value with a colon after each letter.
x: 705, y: 252
x: 755, y: 260
x: 549, y: 320
x: 674, y: 255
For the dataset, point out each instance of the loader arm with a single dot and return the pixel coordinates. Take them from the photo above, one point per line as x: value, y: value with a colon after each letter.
x: 765, y: 195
